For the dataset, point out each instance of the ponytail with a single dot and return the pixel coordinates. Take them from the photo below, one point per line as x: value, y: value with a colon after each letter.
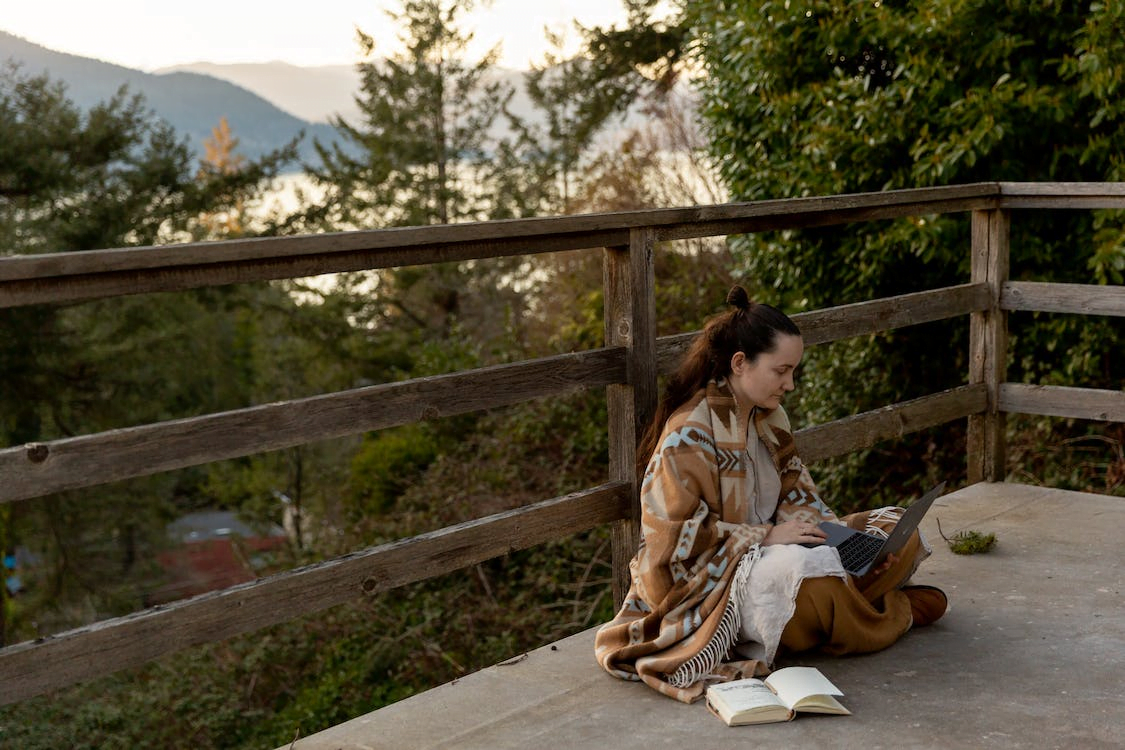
x: 748, y: 327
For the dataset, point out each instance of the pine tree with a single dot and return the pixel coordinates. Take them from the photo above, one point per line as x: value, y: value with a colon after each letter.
x: 425, y: 131
x: 559, y: 90
x: 420, y: 154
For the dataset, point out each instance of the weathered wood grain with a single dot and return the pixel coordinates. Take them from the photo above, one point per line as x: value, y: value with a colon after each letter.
x: 988, y: 345
x: 841, y: 213
x: 1062, y: 195
x: 865, y: 430
x: 1063, y: 401
x: 876, y: 316
x: 1107, y: 190
x: 630, y: 321
x: 64, y: 277
x: 1081, y: 299
x: 75, y: 276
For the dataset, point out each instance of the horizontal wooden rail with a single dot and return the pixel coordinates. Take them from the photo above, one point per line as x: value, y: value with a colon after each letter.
x: 864, y: 430
x: 63, y: 282
x: 36, y: 667
x: 1063, y: 401
x: 842, y: 214
x: 1083, y: 299
x: 76, y: 276
x: 876, y: 316
x: 858, y: 319
x: 41, y: 468
x: 1061, y: 195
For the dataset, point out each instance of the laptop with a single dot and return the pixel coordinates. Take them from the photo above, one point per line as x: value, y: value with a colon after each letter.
x: 860, y: 551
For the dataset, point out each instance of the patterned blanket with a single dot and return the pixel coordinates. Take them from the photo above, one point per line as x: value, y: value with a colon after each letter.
x: 695, y: 500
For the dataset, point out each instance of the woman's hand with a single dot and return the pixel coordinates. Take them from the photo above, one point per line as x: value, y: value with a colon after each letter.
x: 885, y: 565
x: 795, y: 532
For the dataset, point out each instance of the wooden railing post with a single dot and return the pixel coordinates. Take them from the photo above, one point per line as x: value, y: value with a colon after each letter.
x: 630, y: 321
x: 988, y: 345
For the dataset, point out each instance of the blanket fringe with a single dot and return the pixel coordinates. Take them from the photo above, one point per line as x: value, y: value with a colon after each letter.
x: 703, y: 664
x: 889, y: 513
x: 894, y: 513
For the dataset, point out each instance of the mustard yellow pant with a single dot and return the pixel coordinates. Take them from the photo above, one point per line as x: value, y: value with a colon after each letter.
x: 856, y: 616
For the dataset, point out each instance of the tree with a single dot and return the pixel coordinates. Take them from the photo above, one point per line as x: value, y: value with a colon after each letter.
x: 424, y: 133
x: 619, y: 71
x: 421, y: 154
x: 108, y: 177
x: 220, y: 157
x: 112, y: 176
x: 644, y: 59
x: 575, y: 109
x: 816, y: 97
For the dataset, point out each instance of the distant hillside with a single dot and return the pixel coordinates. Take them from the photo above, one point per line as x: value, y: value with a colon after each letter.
x: 316, y: 93
x: 312, y: 94
x: 191, y: 103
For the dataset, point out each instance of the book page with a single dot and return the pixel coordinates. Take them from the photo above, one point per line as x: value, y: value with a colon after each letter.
x: 743, y: 695
x: 794, y: 683
x: 746, y: 701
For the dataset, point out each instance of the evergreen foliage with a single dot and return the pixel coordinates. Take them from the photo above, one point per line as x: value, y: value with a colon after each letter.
x: 424, y: 152
x: 420, y: 152
x: 820, y: 97
x: 109, y: 177
x: 643, y: 59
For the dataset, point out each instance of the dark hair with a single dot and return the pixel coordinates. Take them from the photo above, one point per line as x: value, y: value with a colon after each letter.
x: 748, y: 327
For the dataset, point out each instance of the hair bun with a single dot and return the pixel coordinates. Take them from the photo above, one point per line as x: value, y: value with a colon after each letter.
x: 738, y: 297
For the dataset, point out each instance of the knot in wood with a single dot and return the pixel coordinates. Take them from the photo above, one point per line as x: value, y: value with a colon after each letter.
x: 369, y: 584
x: 431, y: 412
x: 37, y: 453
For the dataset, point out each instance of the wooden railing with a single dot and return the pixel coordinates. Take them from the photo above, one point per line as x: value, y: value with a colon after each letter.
x: 628, y: 367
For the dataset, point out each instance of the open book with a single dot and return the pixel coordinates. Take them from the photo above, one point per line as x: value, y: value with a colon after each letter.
x: 776, y: 698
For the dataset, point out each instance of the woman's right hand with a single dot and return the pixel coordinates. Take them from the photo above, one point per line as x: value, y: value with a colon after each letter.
x: 795, y: 532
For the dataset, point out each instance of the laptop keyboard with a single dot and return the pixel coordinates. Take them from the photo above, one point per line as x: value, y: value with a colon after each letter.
x: 858, y: 549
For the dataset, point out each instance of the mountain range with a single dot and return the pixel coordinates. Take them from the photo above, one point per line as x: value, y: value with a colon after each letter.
x: 266, y: 104
x: 314, y: 94
x: 191, y: 102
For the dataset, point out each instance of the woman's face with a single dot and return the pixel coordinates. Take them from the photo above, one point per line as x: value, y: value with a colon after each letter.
x: 764, y: 381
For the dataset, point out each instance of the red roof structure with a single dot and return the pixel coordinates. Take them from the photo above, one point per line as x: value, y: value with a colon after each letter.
x: 214, y: 562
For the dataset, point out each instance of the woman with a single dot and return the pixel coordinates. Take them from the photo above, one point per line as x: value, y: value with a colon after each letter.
x: 728, y: 570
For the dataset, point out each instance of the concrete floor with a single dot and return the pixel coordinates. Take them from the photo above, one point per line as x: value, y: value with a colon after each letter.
x: 1030, y: 655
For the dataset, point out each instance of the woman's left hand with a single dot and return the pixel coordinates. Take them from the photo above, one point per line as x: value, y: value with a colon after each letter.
x: 795, y: 532
x: 885, y: 565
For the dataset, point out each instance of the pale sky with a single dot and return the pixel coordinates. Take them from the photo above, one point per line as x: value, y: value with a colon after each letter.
x: 151, y: 34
